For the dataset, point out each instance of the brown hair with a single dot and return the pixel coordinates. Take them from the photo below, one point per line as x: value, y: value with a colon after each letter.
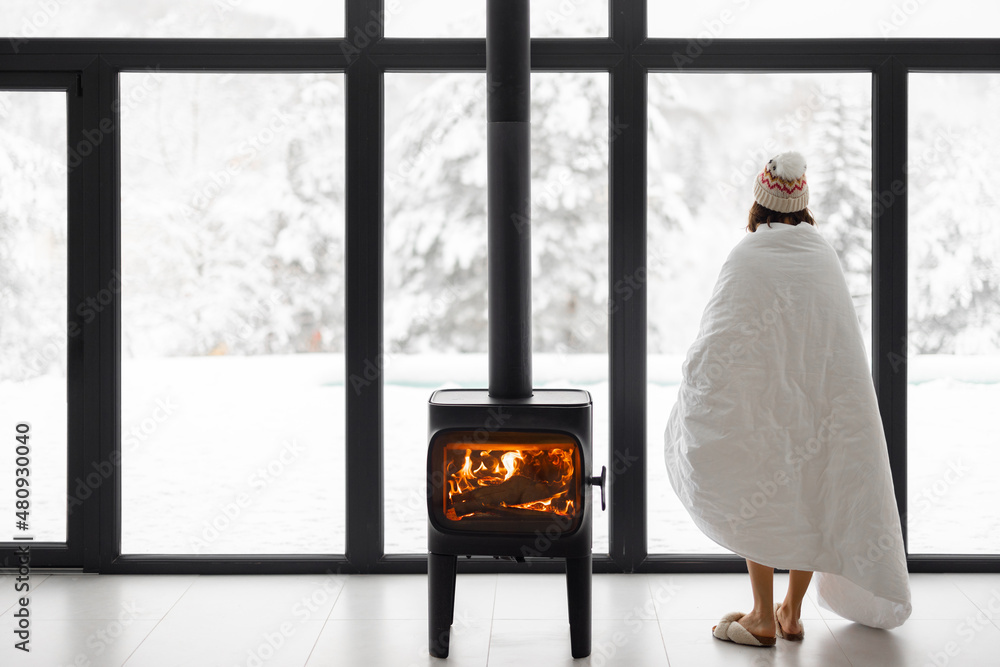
x: 761, y: 214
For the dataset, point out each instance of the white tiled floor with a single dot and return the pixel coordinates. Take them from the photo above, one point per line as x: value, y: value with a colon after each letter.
x: 518, y: 620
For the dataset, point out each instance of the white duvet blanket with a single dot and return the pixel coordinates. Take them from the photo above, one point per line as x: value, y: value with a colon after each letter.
x: 775, y: 445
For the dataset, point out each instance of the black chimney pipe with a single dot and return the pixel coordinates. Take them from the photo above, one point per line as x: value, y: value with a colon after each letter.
x: 508, y: 151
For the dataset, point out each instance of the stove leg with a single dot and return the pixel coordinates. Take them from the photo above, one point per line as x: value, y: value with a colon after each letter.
x: 578, y: 589
x: 441, y: 571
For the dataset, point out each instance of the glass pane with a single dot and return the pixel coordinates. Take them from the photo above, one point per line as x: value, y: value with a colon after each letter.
x: 435, y: 281
x: 23, y: 20
x: 233, y: 313
x: 704, y: 152
x: 703, y: 22
x: 33, y: 327
x: 467, y: 18
x: 952, y: 351
x: 570, y: 132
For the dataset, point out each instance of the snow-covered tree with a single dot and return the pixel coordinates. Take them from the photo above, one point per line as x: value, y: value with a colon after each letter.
x: 309, y: 245
x: 840, y: 151
x: 436, y: 217
x: 33, y: 233
x: 709, y: 136
x: 954, y: 235
x: 233, y: 223
x: 682, y: 211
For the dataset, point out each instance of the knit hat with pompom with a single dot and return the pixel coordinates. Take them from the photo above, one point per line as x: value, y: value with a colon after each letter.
x: 781, y: 186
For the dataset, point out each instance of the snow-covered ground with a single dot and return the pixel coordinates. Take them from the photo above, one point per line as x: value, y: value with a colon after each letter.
x: 41, y: 403
x: 246, y: 454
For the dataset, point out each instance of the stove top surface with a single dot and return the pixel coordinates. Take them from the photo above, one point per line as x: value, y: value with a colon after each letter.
x: 539, y: 397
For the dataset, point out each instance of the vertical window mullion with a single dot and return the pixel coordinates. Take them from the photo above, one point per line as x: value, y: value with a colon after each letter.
x: 627, y: 344
x: 889, y: 267
x: 85, y: 399
x: 365, y: 497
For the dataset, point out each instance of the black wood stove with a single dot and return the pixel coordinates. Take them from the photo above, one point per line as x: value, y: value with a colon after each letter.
x: 508, y: 468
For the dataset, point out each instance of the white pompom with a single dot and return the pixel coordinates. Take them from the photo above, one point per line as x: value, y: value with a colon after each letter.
x: 788, y: 166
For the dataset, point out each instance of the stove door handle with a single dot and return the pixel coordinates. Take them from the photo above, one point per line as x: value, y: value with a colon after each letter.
x: 601, y: 481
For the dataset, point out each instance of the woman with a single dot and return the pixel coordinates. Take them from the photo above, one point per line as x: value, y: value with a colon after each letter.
x: 775, y: 445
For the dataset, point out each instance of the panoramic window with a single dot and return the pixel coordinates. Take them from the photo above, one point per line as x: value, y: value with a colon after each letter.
x: 33, y: 328
x: 435, y: 243
x: 703, y: 154
x: 229, y: 306
x: 233, y: 418
x: 951, y: 354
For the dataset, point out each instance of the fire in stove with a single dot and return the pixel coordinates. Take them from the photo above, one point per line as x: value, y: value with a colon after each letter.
x: 515, y: 476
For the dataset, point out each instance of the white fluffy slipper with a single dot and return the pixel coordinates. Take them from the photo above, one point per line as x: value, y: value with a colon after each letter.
x: 730, y: 630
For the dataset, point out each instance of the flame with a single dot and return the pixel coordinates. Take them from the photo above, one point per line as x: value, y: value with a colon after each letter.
x: 510, y: 460
x: 504, y: 480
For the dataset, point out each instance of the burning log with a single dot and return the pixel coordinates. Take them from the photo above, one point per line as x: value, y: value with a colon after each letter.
x: 518, y: 490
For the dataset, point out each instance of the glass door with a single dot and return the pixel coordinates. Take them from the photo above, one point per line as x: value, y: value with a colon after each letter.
x: 42, y: 487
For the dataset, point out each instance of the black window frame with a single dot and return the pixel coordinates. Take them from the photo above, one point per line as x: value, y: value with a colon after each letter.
x: 627, y: 55
x: 81, y: 373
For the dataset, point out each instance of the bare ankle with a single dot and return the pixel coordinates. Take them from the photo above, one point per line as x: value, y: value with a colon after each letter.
x: 792, y: 610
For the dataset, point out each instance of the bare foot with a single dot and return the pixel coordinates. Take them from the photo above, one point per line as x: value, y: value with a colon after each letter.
x: 758, y: 625
x: 789, y: 625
